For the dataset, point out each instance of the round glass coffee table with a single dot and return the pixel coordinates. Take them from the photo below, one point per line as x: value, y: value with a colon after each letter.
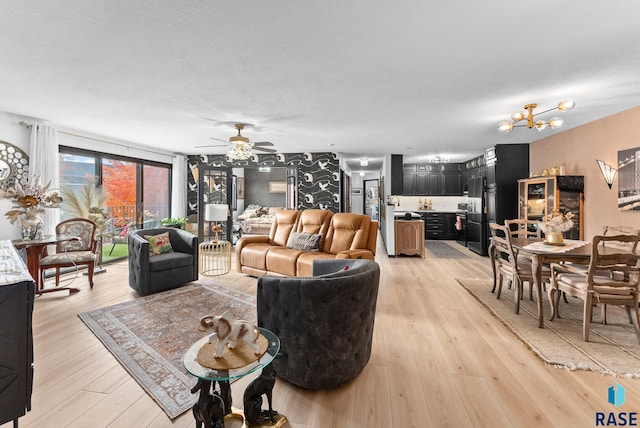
x: 252, y: 415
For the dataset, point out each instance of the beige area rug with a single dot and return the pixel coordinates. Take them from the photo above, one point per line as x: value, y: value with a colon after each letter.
x: 150, y: 335
x: 612, y: 348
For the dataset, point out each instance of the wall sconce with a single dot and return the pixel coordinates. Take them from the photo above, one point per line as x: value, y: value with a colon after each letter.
x: 608, y: 172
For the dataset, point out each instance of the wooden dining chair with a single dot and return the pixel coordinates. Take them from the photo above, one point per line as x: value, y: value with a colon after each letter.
x: 611, y: 279
x: 523, y: 228
x: 516, y: 269
x: 75, y: 252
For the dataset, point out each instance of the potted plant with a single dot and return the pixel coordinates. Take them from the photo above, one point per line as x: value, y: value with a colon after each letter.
x: 177, y: 222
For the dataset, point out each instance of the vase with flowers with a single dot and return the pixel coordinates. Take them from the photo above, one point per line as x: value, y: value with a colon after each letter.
x: 29, y: 203
x: 556, y: 223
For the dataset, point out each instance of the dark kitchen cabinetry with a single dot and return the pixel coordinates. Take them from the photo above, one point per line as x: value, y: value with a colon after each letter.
x: 16, y: 338
x: 430, y: 179
x: 505, y: 164
x: 439, y: 225
x: 396, y: 175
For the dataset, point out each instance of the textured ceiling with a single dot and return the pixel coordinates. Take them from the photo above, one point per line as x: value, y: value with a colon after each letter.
x: 363, y: 78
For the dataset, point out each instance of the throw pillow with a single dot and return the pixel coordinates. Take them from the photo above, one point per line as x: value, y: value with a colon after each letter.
x: 159, y: 244
x: 247, y: 214
x: 304, y: 241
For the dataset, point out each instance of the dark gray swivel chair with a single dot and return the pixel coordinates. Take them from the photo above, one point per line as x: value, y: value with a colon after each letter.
x: 152, y: 273
x: 324, y: 322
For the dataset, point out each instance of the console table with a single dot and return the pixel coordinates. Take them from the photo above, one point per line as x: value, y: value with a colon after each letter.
x: 16, y: 353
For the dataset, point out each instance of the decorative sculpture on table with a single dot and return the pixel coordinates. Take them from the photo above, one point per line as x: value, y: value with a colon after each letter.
x: 252, y: 400
x: 210, y: 409
x: 228, y: 330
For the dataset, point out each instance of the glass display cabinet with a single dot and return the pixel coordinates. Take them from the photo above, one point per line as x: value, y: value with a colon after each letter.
x: 540, y: 196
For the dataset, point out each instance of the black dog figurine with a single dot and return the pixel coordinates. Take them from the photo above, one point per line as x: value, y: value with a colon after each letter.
x: 209, y: 410
x: 252, y: 399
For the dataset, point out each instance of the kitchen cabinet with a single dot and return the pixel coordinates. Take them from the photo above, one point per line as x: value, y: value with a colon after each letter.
x: 431, y: 179
x: 409, y: 237
x: 439, y: 225
x: 505, y: 164
x: 540, y: 196
x: 396, y: 174
x: 16, y: 336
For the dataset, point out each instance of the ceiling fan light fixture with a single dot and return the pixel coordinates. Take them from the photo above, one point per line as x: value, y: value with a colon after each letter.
x: 240, y: 151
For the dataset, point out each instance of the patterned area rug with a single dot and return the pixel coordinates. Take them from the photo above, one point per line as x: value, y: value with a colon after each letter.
x: 443, y: 250
x: 150, y: 335
x: 612, y: 348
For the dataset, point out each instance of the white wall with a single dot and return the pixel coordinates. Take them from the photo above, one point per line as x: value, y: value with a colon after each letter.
x: 13, y: 133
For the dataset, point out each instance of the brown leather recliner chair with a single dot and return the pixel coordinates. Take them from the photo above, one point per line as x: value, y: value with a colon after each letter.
x: 251, y: 251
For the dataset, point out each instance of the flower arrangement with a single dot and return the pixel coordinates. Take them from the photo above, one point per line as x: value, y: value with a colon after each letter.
x: 557, y: 222
x: 29, y: 203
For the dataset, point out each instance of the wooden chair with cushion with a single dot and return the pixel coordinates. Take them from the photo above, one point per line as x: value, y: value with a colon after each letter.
x: 81, y: 251
x: 508, y: 265
x: 611, y: 279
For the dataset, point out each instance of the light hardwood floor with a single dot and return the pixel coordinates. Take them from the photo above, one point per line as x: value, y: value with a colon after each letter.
x: 439, y: 359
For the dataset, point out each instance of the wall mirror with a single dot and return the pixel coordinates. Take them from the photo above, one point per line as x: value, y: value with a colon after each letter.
x: 14, y: 166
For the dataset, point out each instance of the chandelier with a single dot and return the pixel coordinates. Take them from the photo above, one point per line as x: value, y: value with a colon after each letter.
x: 553, y: 123
x: 240, y: 151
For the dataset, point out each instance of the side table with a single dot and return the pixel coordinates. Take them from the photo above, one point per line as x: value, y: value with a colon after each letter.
x: 214, y: 406
x: 214, y: 258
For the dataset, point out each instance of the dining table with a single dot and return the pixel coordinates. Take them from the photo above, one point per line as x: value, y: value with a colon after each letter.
x: 540, y: 253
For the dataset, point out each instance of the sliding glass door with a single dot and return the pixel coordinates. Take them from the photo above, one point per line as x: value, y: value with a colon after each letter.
x: 121, y: 194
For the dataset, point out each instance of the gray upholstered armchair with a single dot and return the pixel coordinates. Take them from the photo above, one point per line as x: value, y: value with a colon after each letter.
x: 324, y: 322
x: 158, y: 272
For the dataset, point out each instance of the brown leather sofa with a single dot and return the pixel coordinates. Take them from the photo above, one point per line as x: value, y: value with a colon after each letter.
x: 344, y: 236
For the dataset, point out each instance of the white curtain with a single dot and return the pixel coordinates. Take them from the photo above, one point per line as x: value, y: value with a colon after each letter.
x: 43, y: 162
x: 179, y: 187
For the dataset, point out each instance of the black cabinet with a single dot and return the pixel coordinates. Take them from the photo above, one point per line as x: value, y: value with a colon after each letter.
x: 431, y: 179
x: 439, y: 225
x: 396, y: 175
x: 16, y: 339
x: 505, y: 165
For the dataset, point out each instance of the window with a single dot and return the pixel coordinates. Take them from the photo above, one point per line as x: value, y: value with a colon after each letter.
x: 137, y: 193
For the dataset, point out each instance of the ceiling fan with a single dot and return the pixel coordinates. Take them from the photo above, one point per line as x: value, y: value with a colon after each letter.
x: 239, y: 147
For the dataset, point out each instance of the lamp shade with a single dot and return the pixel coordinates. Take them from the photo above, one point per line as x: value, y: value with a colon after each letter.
x: 216, y: 212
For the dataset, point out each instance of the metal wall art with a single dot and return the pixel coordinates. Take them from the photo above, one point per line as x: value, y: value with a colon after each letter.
x: 14, y: 166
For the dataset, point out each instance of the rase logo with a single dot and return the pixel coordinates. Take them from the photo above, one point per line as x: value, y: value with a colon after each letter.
x: 616, y: 397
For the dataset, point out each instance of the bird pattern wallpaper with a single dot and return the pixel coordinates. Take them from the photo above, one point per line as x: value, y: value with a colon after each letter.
x: 318, y: 176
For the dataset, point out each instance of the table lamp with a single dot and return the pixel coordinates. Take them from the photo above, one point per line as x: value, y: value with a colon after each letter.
x: 216, y: 213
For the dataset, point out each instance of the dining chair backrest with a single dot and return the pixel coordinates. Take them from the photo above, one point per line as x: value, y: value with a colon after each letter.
x: 523, y: 228
x: 622, y: 230
x: 610, y: 253
x: 501, y: 239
